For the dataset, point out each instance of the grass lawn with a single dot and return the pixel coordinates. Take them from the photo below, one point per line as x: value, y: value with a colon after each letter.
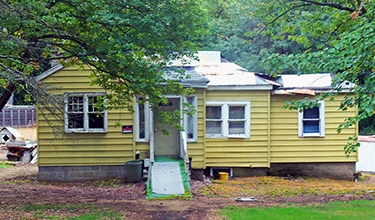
x: 362, y: 209
x: 4, y: 165
x: 70, y: 212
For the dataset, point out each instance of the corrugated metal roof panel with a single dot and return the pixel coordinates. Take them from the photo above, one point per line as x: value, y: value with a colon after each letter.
x: 317, y: 81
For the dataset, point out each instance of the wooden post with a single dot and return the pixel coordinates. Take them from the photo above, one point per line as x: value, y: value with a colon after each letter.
x: 26, y: 124
x: 19, y: 118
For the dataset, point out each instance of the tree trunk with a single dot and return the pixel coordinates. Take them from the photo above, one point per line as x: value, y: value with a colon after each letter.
x: 7, y: 94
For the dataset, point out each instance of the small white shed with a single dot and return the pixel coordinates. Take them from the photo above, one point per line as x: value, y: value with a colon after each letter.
x: 9, y: 134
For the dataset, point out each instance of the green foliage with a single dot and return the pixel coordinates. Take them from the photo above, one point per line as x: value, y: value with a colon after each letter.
x: 127, y: 42
x: 338, y: 38
x: 5, y: 165
x: 367, y: 127
x: 234, y: 29
x: 333, y: 210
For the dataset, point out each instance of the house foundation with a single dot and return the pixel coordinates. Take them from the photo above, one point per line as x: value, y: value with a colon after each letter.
x: 334, y: 170
x: 343, y: 171
x: 79, y: 173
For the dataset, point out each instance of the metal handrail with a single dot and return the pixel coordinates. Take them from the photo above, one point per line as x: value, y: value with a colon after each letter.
x: 183, y: 146
x: 184, y: 153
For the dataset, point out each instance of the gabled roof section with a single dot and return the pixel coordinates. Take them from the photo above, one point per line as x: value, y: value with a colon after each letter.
x: 224, y: 75
x: 189, y: 77
x: 10, y: 131
x: 49, y: 72
x: 209, y: 71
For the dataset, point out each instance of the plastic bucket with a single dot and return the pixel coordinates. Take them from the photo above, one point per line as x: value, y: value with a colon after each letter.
x: 133, y: 171
x: 223, y: 175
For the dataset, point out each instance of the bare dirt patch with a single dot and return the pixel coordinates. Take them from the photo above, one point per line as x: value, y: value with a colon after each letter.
x: 19, y: 187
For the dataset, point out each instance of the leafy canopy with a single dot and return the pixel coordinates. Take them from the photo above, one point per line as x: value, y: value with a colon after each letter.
x: 339, y: 38
x: 234, y: 29
x: 127, y: 42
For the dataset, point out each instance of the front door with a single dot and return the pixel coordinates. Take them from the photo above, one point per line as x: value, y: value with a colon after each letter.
x: 167, y: 145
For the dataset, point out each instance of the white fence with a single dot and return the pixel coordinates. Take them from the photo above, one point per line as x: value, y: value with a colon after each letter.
x: 366, y: 157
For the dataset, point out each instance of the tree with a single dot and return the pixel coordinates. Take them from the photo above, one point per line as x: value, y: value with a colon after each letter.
x: 339, y: 38
x: 234, y: 30
x: 128, y: 43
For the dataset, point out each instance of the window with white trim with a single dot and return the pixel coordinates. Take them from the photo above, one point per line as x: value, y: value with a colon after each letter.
x: 142, y: 119
x: 228, y: 119
x: 311, y: 121
x: 191, y: 120
x: 83, y: 113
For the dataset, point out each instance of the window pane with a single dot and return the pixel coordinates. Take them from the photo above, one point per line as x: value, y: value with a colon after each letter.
x: 75, y: 112
x: 213, y: 127
x: 96, y: 120
x: 236, y: 112
x: 190, y: 118
x: 190, y: 100
x: 311, y: 112
x: 92, y: 102
x: 190, y: 127
x: 311, y: 127
x: 236, y: 127
x: 141, y: 121
x: 75, y: 120
x: 75, y: 104
x: 213, y: 112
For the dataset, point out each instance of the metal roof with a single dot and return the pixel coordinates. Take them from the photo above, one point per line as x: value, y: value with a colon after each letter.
x: 307, y: 81
x: 309, y: 84
x: 227, y: 75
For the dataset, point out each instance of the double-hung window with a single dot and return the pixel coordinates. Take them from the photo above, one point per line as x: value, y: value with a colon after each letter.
x: 85, y: 113
x: 142, y: 119
x: 311, y: 121
x: 228, y: 119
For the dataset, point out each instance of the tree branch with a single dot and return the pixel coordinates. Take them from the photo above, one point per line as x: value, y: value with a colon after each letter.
x: 282, y: 14
x: 332, y: 5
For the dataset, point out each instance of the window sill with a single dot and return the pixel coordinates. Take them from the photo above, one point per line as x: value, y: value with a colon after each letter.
x: 238, y: 137
x: 312, y: 135
x: 228, y: 137
x: 191, y: 141
x: 142, y: 140
x: 86, y: 132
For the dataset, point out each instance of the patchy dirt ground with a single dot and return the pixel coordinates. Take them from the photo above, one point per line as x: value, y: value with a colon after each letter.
x: 19, y: 187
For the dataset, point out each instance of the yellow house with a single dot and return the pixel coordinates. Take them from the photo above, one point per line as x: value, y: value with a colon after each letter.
x: 239, y: 126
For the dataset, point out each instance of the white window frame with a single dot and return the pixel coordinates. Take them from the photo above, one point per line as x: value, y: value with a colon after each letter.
x: 225, y: 118
x: 322, y: 128
x: 85, y: 128
x: 194, y: 119
x: 147, y: 121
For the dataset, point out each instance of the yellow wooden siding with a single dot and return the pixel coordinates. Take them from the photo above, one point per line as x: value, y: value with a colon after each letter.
x: 196, y: 150
x: 63, y: 149
x: 287, y: 147
x: 238, y: 152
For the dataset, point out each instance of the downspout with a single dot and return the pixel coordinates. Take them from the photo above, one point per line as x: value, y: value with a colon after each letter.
x: 152, y: 137
x: 269, y: 131
x: 204, y: 126
x: 357, y: 133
